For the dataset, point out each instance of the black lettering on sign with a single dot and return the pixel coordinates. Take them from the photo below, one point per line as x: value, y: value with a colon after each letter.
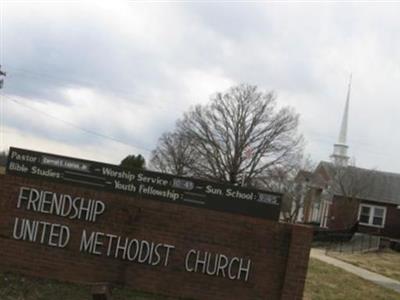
x: 144, y: 184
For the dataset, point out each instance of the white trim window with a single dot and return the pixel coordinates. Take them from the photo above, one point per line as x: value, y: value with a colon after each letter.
x: 372, y: 215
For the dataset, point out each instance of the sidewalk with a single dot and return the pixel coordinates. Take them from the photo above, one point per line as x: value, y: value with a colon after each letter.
x: 368, y: 275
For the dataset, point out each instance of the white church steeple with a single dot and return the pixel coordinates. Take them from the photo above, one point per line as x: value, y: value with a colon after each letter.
x: 339, y: 156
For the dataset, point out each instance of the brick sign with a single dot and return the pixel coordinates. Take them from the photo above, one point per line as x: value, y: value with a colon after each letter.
x: 86, y: 230
x: 100, y: 243
x: 152, y: 185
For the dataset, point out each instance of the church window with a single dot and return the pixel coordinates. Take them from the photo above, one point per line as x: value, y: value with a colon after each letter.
x: 372, y: 215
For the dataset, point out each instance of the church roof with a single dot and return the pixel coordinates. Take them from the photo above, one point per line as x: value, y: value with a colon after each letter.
x: 367, y: 184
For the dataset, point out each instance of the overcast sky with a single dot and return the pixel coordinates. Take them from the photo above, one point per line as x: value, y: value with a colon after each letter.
x: 80, y: 70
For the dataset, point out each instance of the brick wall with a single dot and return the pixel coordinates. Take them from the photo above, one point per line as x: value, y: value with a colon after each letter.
x: 392, y: 222
x: 344, y: 213
x: 278, y: 252
x: 392, y: 226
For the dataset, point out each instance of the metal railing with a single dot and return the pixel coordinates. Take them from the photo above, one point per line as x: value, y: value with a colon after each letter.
x: 359, y: 242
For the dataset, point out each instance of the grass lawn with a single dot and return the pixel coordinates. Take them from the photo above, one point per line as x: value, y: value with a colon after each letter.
x: 15, y: 287
x: 386, y: 262
x: 325, y: 282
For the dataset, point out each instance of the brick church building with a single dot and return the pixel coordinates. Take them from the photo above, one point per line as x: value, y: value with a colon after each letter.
x: 337, y: 195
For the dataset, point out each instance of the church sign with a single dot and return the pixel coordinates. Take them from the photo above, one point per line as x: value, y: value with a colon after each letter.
x: 99, y: 243
x: 89, y: 222
x: 152, y: 185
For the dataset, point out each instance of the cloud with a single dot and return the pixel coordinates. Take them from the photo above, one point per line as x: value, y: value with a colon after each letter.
x: 129, y: 70
x: 22, y: 139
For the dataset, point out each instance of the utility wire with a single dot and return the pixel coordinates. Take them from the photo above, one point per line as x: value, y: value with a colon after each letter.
x: 76, y: 126
x: 354, y: 144
x: 325, y: 141
x: 317, y: 137
x: 73, y: 82
x: 146, y: 149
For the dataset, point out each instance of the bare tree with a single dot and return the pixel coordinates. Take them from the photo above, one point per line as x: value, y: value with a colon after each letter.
x: 173, y: 154
x: 237, y: 137
x: 290, y: 179
x: 351, y: 182
x: 345, y: 186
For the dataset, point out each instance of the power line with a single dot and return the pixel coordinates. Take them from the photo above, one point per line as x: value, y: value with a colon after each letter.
x: 76, y: 126
x: 316, y: 137
x: 64, y: 80
x: 71, y: 82
x: 318, y: 140
x: 142, y: 148
x: 356, y: 148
